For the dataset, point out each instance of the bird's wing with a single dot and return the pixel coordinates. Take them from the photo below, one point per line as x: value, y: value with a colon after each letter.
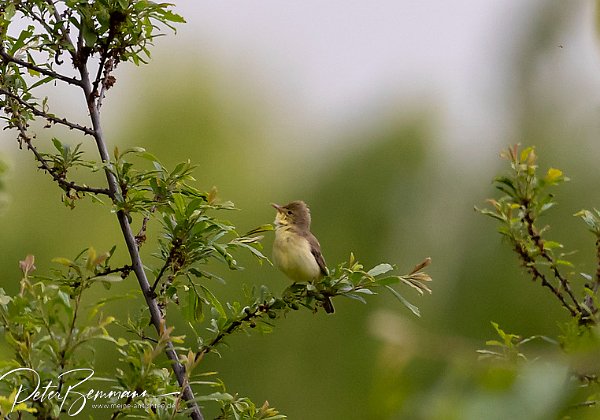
x: 315, y: 249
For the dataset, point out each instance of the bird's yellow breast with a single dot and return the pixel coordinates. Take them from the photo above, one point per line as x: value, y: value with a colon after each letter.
x: 292, y: 255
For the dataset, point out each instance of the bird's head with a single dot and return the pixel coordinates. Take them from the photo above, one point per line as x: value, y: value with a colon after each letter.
x: 295, y: 213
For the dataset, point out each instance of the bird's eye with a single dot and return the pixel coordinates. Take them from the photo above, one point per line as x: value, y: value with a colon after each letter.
x: 289, y: 212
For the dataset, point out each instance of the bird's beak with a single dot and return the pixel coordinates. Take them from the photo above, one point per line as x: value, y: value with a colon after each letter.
x: 277, y: 207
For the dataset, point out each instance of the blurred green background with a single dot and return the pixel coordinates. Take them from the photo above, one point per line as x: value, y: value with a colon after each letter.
x: 390, y: 179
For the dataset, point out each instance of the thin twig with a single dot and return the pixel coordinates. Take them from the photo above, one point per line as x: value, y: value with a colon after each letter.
x: 105, y: 84
x: 160, y: 274
x: 596, y: 286
x: 125, y: 270
x: 585, y: 404
x: 39, y: 19
x: 249, y: 317
x: 140, y: 238
x: 7, y: 58
x: 166, y: 265
x: 136, y: 261
x: 47, y: 116
x: 529, y: 264
x: 64, y: 184
x: 64, y: 31
x: 80, y: 55
x: 65, y: 349
x: 539, y: 243
x: 261, y: 309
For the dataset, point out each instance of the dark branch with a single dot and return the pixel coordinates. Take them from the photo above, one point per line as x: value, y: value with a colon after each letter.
x: 106, y: 82
x: 35, y: 17
x: 67, y: 186
x: 7, y: 58
x: 596, y: 286
x: 49, y: 117
x: 125, y: 270
x: 64, y: 31
x: 140, y: 238
x: 166, y: 265
x: 156, y: 317
x: 539, y: 243
x: 80, y: 57
x: 529, y: 264
x: 250, y: 315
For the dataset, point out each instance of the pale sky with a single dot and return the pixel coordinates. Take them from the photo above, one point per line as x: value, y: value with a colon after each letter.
x: 321, y: 65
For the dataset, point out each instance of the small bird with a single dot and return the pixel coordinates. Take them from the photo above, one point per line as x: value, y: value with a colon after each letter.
x: 296, y: 251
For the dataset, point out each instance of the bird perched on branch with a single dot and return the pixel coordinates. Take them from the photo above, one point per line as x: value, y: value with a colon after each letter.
x: 296, y: 251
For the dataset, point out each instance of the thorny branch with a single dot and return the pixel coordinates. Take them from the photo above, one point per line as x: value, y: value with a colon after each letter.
x: 529, y: 264
x: 247, y: 318
x: 47, y: 116
x: 67, y: 186
x: 137, y: 264
x: 7, y: 58
x: 80, y: 56
x: 539, y: 243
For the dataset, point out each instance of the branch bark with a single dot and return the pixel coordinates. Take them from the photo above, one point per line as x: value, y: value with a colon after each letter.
x: 7, y: 58
x: 80, y: 57
x: 45, y: 115
x: 539, y: 243
x: 529, y: 264
x: 136, y: 261
x: 64, y: 184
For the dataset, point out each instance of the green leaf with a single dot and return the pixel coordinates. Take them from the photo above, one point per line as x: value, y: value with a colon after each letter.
x: 216, y: 396
x: 380, y: 269
x: 4, y: 298
x: 64, y: 298
x: 508, y: 182
x: 491, y: 214
x: 135, y: 150
x: 179, y: 203
x: 57, y: 144
x: 89, y: 35
x: 111, y: 278
x: 552, y: 245
x: 355, y: 297
x: 499, y: 330
x: 64, y: 261
x: 406, y: 303
x: 365, y: 291
x: 9, y: 12
x: 173, y: 17
x: 262, y: 228
x: 547, y: 206
x: 214, y: 302
x: 253, y: 250
x: 387, y: 280
x: 553, y: 176
x: 148, y: 156
x: 222, y: 250
x: 590, y: 219
x: 193, y: 311
x: 565, y: 263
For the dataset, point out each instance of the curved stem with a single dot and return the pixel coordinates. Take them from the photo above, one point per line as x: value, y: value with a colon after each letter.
x: 45, y: 115
x: 64, y: 184
x: 539, y: 243
x: 7, y: 58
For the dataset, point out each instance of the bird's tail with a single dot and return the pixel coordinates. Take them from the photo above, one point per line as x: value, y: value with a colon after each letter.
x: 328, y: 305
